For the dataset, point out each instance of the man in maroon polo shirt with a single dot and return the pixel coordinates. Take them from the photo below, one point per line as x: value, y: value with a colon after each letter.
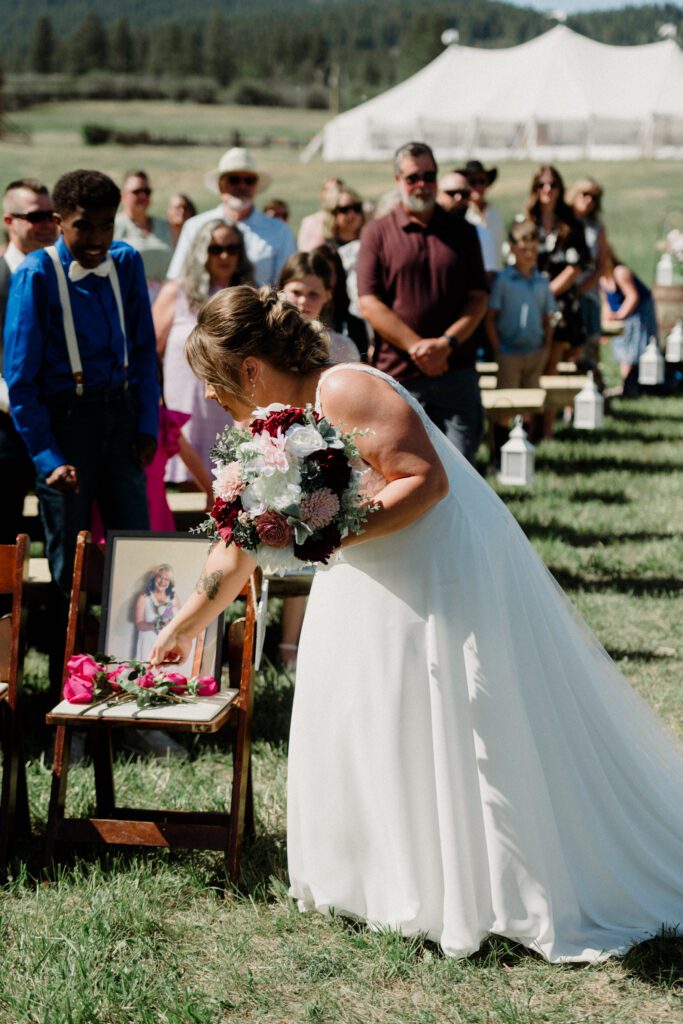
x: 423, y: 288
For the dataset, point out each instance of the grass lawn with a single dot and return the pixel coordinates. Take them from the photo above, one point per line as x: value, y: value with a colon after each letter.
x: 151, y: 937
x: 637, y: 192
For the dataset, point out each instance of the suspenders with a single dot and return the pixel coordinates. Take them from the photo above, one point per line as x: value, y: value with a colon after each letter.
x: 68, y: 319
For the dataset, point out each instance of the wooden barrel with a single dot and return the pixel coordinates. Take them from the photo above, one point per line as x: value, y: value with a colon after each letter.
x: 669, y: 305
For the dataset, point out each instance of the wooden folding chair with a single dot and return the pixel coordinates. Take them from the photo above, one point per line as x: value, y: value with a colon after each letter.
x: 205, y: 830
x: 14, y: 813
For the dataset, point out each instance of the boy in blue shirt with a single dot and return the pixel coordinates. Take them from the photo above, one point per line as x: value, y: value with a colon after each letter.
x: 80, y: 363
x: 519, y: 321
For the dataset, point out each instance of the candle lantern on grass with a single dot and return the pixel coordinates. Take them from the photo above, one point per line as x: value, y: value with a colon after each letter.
x: 517, y: 457
x: 589, y: 406
x: 651, y: 365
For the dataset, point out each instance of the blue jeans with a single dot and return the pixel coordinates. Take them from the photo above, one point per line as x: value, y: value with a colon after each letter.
x: 452, y: 401
x: 95, y: 432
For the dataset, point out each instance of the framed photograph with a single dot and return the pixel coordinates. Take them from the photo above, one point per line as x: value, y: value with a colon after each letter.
x: 147, y: 579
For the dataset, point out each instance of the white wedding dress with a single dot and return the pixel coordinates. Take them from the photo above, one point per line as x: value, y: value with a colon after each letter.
x: 465, y: 758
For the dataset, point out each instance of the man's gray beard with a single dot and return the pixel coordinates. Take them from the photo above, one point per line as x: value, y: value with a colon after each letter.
x: 414, y: 204
x: 235, y: 204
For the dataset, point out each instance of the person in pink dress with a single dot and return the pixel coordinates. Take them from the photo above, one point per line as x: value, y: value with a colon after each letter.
x: 216, y: 260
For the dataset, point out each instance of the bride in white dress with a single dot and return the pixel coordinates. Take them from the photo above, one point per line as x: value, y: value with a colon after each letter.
x: 465, y: 758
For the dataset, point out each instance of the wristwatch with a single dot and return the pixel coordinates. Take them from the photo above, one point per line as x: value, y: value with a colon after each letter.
x: 452, y: 340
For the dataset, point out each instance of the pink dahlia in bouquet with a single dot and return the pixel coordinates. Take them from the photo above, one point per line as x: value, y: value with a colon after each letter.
x: 106, y: 680
x: 287, y: 488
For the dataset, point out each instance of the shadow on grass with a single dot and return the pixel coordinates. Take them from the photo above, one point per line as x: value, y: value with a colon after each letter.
x: 587, y: 538
x: 658, y: 962
x: 649, y: 586
x: 626, y: 412
x: 586, y: 494
x: 561, y: 465
x: 628, y: 654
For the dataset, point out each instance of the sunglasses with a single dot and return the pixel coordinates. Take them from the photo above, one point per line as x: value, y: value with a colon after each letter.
x: 241, y: 179
x: 591, y: 195
x: 232, y: 249
x: 478, y: 182
x: 546, y: 184
x: 350, y: 208
x: 427, y: 177
x: 453, y: 192
x: 35, y: 217
x: 146, y: 191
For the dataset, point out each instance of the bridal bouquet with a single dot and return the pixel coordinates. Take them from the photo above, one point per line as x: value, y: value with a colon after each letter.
x: 286, y: 488
x: 117, y: 682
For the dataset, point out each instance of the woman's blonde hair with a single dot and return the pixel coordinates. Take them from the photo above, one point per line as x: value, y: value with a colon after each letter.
x: 245, y: 321
x: 330, y: 204
x: 583, y: 185
x: 195, y: 273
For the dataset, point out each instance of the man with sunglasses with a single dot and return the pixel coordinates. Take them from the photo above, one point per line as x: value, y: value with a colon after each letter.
x: 268, y: 241
x: 29, y: 222
x: 423, y: 289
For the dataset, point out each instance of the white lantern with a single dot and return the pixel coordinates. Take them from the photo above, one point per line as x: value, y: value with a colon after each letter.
x: 589, y: 406
x: 517, y: 457
x: 674, y: 343
x: 651, y: 364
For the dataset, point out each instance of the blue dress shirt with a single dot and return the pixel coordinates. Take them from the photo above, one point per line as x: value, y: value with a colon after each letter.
x: 521, y: 303
x: 36, y: 363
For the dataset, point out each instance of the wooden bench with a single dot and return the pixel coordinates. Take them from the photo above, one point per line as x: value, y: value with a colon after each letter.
x: 503, y: 403
x: 562, y: 390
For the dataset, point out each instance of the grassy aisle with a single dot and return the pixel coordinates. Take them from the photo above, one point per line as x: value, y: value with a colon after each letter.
x: 150, y: 938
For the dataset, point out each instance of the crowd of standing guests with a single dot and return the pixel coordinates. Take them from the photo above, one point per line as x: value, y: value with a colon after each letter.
x: 97, y: 296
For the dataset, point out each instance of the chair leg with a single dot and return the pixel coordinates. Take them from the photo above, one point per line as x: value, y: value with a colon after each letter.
x: 14, y: 812
x: 249, y: 824
x: 104, y: 774
x: 239, y: 798
x: 60, y: 775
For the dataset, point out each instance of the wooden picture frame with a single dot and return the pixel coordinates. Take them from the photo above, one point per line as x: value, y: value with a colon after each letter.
x: 132, y: 609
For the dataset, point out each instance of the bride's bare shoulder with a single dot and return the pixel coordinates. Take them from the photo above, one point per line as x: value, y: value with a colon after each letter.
x: 348, y: 387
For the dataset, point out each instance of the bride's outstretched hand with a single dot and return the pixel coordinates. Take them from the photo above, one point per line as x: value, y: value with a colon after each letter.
x: 169, y: 647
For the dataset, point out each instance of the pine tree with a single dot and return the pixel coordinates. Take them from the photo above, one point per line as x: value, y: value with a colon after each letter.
x: 88, y: 46
x: 42, y: 47
x: 121, y: 47
x: 218, y: 63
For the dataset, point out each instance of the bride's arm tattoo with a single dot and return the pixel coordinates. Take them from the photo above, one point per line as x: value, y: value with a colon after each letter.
x: 210, y: 583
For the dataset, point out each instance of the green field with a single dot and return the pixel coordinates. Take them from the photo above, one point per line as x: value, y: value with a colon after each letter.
x: 637, y: 192
x: 153, y: 937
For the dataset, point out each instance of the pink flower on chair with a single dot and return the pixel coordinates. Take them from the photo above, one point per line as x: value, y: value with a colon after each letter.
x: 81, y: 675
x: 147, y: 681
x: 177, y: 682
x: 78, y: 691
x: 207, y: 686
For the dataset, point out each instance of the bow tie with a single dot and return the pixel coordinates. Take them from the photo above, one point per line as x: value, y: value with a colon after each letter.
x: 103, y: 269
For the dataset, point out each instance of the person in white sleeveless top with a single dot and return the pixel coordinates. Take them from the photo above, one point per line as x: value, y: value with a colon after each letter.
x: 465, y: 758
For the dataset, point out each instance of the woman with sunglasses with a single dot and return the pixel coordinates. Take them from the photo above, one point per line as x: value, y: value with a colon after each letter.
x: 151, y: 236
x: 216, y: 260
x: 562, y: 257
x: 343, y: 216
x: 585, y: 199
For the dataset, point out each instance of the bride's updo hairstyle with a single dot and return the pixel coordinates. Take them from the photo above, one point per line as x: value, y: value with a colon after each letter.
x: 245, y: 321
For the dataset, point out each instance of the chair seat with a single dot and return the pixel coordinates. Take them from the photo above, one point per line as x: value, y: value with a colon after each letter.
x: 205, y: 715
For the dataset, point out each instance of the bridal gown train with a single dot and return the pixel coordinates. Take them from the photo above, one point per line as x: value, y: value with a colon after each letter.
x: 465, y: 758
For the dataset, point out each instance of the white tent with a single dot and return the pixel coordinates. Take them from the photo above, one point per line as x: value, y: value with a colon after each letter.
x: 559, y: 96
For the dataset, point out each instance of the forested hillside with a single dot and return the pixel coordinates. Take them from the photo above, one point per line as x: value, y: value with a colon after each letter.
x: 356, y: 46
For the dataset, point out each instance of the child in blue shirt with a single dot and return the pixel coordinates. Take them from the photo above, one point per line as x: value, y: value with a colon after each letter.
x: 519, y: 321
x: 80, y: 363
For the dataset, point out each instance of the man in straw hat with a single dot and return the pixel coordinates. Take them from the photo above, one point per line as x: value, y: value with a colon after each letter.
x: 268, y: 241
